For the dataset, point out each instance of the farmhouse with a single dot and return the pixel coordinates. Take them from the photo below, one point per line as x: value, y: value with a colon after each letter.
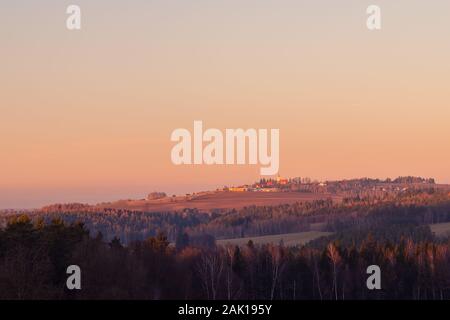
x: 239, y: 189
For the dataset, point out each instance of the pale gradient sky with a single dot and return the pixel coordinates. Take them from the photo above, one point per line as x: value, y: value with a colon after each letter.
x: 87, y: 115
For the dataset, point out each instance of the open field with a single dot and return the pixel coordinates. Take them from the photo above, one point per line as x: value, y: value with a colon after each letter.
x: 441, y: 229
x: 218, y: 200
x: 289, y: 239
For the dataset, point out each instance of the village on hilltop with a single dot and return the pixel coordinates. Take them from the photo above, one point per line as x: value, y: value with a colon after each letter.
x: 271, y: 185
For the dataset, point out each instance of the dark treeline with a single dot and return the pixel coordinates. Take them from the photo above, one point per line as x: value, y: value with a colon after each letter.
x: 34, y: 258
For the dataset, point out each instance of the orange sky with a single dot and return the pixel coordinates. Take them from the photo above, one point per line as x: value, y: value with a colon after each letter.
x: 87, y: 115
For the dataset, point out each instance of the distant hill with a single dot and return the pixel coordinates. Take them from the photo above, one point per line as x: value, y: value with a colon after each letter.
x: 217, y: 200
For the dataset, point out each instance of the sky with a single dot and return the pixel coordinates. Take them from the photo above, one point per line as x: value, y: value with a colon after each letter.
x: 86, y: 116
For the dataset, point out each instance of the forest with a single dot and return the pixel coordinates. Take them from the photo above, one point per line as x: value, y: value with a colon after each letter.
x: 174, y: 255
x: 408, y: 212
x: 34, y: 258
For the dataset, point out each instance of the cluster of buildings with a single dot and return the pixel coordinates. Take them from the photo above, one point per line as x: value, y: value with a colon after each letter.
x: 264, y: 185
